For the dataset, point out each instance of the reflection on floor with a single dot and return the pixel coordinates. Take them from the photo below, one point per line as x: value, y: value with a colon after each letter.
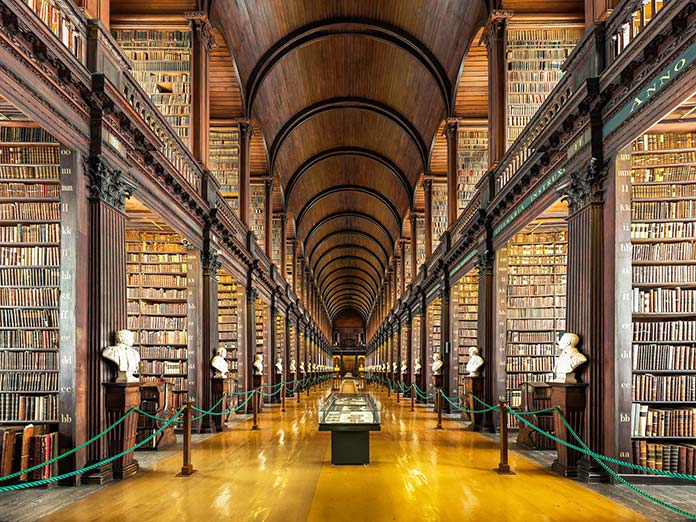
x: 282, y: 472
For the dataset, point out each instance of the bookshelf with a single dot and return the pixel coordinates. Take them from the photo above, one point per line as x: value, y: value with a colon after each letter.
x: 157, y: 278
x: 434, y: 339
x: 292, y: 350
x: 289, y: 269
x: 532, y: 301
x: 403, y: 350
x: 416, y: 345
x: 465, y: 322
x: 420, y: 244
x: 224, y: 162
x: 534, y: 59
x: 275, y: 241
x: 472, y: 163
x: 663, y: 268
x: 261, y: 337
x: 162, y: 67
x: 279, y: 342
x: 229, y: 319
x: 257, y: 222
x: 57, y: 16
x: 439, y: 211
x: 407, y: 268
x: 30, y: 305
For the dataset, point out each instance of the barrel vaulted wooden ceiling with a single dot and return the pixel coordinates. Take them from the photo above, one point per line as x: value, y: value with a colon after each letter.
x: 348, y: 97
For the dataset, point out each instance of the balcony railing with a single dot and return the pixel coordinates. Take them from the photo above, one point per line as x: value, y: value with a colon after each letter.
x: 627, y: 22
x: 65, y: 20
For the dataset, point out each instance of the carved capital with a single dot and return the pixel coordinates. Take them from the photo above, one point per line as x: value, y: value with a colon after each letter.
x: 108, y: 184
x: 200, y: 24
x: 586, y: 186
x: 484, y: 261
x: 451, y: 128
x: 245, y: 128
x: 210, y: 262
x: 252, y: 294
x: 495, y: 26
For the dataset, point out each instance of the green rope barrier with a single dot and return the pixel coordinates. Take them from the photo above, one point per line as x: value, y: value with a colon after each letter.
x: 68, y: 453
x: 233, y: 410
x: 422, y: 394
x: 485, y: 410
x: 271, y: 394
x: 154, y: 417
x: 25, y: 485
x: 204, y: 412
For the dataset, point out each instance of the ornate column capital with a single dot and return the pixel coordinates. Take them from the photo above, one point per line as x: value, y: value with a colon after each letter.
x: 451, y: 128
x: 198, y: 20
x: 495, y: 26
x: 484, y: 261
x: 210, y: 262
x: 586, y: 186
x: 427, y: 185
x: 107, y: 183
x: 245, y: 128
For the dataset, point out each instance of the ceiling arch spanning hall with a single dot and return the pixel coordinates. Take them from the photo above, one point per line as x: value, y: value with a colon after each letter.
x: 348, y: 96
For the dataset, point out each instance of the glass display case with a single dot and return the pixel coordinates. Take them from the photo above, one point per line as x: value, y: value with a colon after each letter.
x: 350, y: 409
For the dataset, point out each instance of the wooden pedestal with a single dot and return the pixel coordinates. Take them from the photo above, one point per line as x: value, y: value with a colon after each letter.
x: 275, y: 399
x: 438, y: 382
x: 473, y: 386
x: 289, y: 387
x: 570, y: 399
x: 258, y: 383
x: 221, y: 387
x: 121, y: 397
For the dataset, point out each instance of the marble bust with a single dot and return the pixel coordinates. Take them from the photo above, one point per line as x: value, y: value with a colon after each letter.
x: 394, y: 367
x: 568, y: 359
x: 279, y: 365
x: 475, y: 362
x: 302, y: 368
x: 293, y: 366
x: 258, y: 364
x: 404, y: 368
x: 436, y: 365
x: 124, y: 356
x: 220, y: 364
x: 417, y: 368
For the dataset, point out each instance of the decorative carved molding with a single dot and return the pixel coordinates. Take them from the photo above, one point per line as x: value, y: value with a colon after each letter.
x: 586, y: 186
x: 451, y: 128
x: 199, y: 22
x: 245, y: 127
x: 108, y: 184
x: 210, y: 262
x: 484, y: 261
x: 495, y: 26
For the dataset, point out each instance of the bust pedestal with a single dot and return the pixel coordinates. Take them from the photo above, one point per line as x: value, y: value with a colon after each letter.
x: 438, y: 383
x: 277, y: 378
x: 290, y: 386
x: 121, y: 397
x: 570, y: 399
x: 473, y: 386
x: 221, y: 386
x: 258, y: 383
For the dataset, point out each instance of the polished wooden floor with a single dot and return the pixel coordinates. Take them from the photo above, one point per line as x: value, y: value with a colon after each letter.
x: 283, y: 472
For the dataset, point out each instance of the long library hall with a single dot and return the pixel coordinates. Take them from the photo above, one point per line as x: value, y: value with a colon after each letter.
x: 368, y: 260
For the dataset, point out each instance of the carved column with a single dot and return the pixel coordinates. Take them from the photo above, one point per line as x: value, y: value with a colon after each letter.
x: 449, y: 377
x: 108, y: 190
x: 251, y: 295
x: 409, y: 348
x: 209, y: 333
x: 202, y: 41
x: 451, y: 134
x: 423, y: 349
x: 428, y: 194
x: 486, y: 330
x: 495, y: 37
x: 268, y: 216
x: 585, y: 313
x: 272, y: 348
x: 245, y: 134
x: 414, y: 244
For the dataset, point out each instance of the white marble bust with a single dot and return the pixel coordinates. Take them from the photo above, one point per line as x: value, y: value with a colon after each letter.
x: 475, y: 362
x: 404, y: 368
x: 568, y: 359
x: 436, y: 365
x: 219, y: 363
x: 418, y: 367
x: 279, y: 365
x: 394, y: 367
x: 302, y: 368
x: 293, y: 366
x: 124, y: 356
x: 258, y: 364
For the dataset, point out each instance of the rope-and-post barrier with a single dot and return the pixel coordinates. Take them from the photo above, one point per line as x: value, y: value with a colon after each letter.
x: 186, y: 467
x: 438, y: 404
x: 397, y: 391
x: 413, y: 398
x: 504, y: 466
x: 282, y: 397
x: 256, y: 399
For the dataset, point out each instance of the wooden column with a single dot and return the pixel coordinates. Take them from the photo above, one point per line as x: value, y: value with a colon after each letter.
x: 283, y: 240
x: 202, y: 41
x: 268, y: 217
x: 495, y: 37
x: 270, y: 362
x: 486, y: 329
x: 293, y: 255
x: 209, y: 333
x: 245, y: 133
x: 428, y: 193
x: 251, y: 295
x: 409, y: 348
x: 585, y: 311
x: 423, y: 382
x: 414, y: 244
x: 446, y: 352
x: 451, y: 131
x: 402, y: 265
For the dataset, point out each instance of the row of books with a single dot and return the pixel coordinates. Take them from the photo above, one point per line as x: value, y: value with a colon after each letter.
x: 137, y: 307
x: 161, y: 337
x: 682, y: 251
x: 664, y: 230
x: 537, y: 260
x: 668, y: 388
x: 529, y: 312
x: 675, y: 174
x: 538, y: 324
x: 29, y: 172
x: 513, y: 381
x: 542, y: 249
x: 538, y: 302
x: 30, y: 233
x: 664, y: 190
x: 29, y: 277
x: 177, y: 383
x: 156, y: 293
x: 529, y: 285
x: 29, y: 190
x: 28, y: 381
x: 528, y: 364
x: 162, y: 352
x: 29, y: 360
x: 138, y: 257
x: 35, y: 255
x: 160, y: 322
x: 538, y: 349
x: 653, y: 331
x: 648, y: 210
x: 30, y: 211
x: 531, y: 337
x: 657, y: 422
x: 224, y: 158
x: 152, y: 38
x: 677, y: 458
x: 46, y: 296
x: 17, y: 407
x: 22, y: 318
x: 31, y: 339
x: 164, y: 367
x: 664, y: 274
x: 179, y: 268
x: 21, y: 154
x: 23, y: 447
x: 663, y: 357
x: 543, y: 274
x: 25, y: 134
x: 664, y: 301
x: 664, y: 158
x: 658, y: 142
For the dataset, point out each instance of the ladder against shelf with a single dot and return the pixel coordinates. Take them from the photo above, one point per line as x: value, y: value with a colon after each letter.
x: 472, y: 162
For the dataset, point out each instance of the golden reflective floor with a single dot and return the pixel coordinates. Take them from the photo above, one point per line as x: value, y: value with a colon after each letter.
x: 283, y: 472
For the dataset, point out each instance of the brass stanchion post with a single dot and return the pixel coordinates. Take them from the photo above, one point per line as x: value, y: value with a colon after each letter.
x: 187, y: 467
x: 282, y: 397
x: 255, y: 409
x: 413, y: 397
x: 298, y: 390
x: 503, y: 466
x: 438, y: 403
